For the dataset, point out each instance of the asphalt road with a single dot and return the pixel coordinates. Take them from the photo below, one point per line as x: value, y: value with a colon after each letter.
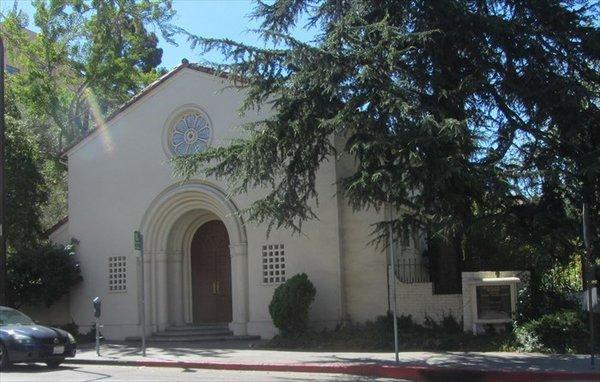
x: 89, y: 373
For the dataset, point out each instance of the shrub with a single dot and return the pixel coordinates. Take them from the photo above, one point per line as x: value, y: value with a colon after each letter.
x: 81, y: 338
x: 290, y: 304
x: 378, y: 335
x: 448, y: 324
x: 560, y: 332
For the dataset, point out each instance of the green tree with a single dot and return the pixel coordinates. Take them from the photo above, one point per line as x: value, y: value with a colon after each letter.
x: 87, y: 59
x: 42, y: 274
x: 26, y: 190
x: 460, y: 114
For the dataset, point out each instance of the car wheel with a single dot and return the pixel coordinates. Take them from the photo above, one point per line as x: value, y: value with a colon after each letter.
x: 4, y: 362
x: 54, y: 364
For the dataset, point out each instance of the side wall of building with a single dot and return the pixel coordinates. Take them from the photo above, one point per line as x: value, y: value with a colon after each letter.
x: 365, y: 269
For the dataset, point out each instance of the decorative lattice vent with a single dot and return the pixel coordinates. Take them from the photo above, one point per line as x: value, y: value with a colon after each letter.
x: 273, y: 256
x: 117, y: 274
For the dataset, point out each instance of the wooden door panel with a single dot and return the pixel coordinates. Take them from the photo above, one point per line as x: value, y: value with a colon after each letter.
x: 211, y: 274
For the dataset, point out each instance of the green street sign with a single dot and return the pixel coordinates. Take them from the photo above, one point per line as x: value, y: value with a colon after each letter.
x: 137, y: 240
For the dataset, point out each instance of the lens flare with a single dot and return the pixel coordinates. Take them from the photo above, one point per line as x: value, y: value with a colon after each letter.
x: 99, y: 121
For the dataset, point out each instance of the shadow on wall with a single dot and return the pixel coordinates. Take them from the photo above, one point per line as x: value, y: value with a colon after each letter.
x: 58, y: 314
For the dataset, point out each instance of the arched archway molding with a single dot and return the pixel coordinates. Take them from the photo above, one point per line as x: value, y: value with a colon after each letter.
x: 168, y: 226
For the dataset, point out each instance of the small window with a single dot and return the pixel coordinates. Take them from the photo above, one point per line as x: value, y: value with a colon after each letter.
x: 117, y: 274
x: 273, y: 270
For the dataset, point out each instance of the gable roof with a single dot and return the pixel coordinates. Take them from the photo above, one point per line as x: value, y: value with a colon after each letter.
x: 184, y: 64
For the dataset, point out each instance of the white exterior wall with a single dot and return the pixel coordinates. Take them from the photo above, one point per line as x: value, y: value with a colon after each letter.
x: 61, y: 235
x: 363, y: 266
x: 114, y: 176
x: 56, y: 315
x: 419, y: 301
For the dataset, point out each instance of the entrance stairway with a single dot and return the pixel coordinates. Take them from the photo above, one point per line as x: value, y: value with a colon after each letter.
x: 195, y: 333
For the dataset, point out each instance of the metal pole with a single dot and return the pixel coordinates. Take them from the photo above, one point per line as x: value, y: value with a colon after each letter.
x: 588, y: 278
x: 97, y: 336
x: 393, y: 280
x: 143, y: 298
x: 3, y: 273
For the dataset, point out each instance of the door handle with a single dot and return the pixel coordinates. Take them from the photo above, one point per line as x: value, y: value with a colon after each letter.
x: 214, y: 288
x: 218, y: 288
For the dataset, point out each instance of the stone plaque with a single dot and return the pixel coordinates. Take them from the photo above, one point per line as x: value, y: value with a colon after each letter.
x: 493, y: 302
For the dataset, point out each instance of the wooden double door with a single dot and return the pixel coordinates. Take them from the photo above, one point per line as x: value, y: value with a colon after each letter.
x: 211, y: 274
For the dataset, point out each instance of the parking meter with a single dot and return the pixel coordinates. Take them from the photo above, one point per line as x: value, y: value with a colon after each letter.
x: 97, y: 302
x: 97, y: 307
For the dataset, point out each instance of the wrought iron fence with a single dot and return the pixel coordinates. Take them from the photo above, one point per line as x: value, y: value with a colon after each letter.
x: 412, y: 270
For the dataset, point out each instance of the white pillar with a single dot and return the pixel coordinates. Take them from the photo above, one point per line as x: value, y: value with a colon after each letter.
x: 162, y: 295
x: 176, y: 296
x: 239, y: 288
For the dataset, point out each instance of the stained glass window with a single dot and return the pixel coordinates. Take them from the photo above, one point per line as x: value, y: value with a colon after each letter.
x: 190, y: 135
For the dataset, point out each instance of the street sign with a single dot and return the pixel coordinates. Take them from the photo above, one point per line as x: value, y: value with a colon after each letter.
x: 137, y: 240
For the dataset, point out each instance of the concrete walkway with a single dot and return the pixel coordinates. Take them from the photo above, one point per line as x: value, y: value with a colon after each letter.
x: 249, y: 355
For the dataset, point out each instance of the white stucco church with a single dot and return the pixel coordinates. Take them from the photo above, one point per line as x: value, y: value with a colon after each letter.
x: 203, y: 263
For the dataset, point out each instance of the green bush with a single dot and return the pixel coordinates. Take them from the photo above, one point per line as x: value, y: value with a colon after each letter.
x: 290, y: 304
x: 562, y: 332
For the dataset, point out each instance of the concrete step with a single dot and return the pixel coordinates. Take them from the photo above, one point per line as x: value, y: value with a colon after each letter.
x: 196, y: 327
x: 204, y: 338
x: 196, y: 332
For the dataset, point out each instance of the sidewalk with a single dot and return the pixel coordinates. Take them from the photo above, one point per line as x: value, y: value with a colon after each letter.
x: 425, y: 366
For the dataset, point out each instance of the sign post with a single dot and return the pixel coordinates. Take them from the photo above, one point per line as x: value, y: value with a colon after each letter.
x: 393, y: 278
x: 589, y: 277
x: 3, y: 285
x: 138, y: 242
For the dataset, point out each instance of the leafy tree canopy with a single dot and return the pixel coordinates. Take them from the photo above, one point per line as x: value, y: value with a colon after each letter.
x: 89, y: 57
x: 26, y: 189
x: 464, y: 115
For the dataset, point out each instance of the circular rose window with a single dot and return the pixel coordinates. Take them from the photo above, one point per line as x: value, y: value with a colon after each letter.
x: 190, y: 135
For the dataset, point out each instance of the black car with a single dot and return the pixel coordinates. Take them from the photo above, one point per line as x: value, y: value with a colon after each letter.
x: 22, y: 340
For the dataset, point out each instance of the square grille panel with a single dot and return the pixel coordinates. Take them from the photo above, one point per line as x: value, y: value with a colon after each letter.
x: 273, y: 257
x: 117, y: 274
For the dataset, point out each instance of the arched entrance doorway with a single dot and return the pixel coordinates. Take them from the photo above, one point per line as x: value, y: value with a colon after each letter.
x: 169, y: 227
x: 211, y: 274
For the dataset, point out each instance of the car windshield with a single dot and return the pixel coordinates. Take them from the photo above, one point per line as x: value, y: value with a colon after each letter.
x: 14, y: 317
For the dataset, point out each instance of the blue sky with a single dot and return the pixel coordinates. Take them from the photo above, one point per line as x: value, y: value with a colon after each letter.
x: 207, y: 18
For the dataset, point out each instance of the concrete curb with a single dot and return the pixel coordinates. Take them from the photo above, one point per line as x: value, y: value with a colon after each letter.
x: 414, y: 373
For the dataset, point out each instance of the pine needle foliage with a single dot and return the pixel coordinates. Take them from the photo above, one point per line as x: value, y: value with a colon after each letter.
x: 457, y: 113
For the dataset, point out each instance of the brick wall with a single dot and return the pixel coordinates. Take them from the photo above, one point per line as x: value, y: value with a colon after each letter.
x: 419, y: 301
